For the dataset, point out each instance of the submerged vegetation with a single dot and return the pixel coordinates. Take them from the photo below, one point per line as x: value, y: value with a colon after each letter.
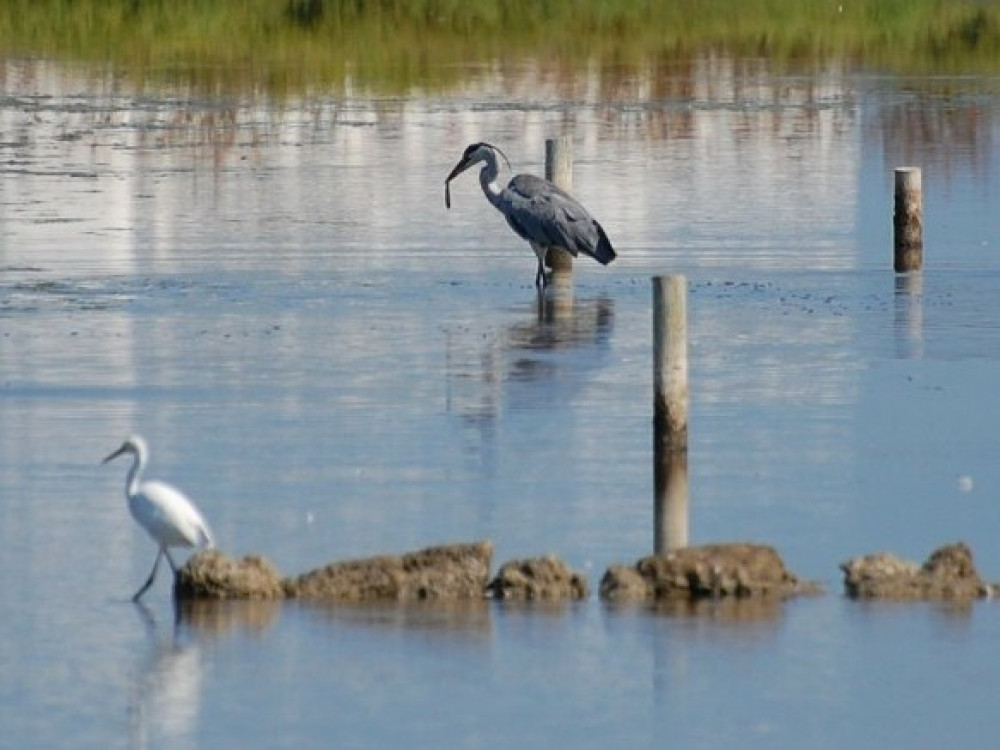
x: 296, y: 45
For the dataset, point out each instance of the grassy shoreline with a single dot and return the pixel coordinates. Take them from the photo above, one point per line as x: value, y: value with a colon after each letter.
x: 285, y: 46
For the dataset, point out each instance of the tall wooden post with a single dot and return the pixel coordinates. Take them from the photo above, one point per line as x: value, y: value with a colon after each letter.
x: 670, y: 414
x: 908, y: 221
x: 670, y: 362
x: 559, y: 171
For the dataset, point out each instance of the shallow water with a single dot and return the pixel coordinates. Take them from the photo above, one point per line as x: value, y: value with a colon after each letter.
x: 334, y: 366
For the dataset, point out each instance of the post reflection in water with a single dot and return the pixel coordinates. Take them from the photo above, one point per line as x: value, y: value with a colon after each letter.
x: 555, y: 302
x: 908, y: 309
x: 670, y: 502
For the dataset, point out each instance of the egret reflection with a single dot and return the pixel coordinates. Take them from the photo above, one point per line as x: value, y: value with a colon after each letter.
x: 166, y: 693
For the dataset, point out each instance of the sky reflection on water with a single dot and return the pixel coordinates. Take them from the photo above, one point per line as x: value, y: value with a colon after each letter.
x: 333, y: 365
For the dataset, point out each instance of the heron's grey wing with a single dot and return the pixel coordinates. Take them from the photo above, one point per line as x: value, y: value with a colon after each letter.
x: 540, y: 212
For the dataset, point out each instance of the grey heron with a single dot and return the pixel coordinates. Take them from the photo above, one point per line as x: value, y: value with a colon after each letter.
x: 536, y: 210
x: 167, y: 515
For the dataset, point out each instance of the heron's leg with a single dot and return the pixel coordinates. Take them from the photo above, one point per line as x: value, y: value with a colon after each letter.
x: 152, y: 576
x: 541, y: 279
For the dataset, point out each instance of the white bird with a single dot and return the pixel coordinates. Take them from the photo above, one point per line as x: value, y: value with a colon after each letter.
x: 165, y: 512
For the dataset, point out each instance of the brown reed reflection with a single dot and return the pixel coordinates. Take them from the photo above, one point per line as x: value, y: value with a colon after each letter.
x: 949, y: 122
x: 215, y: 618
x: 469, y: 619
x: 730, y: 611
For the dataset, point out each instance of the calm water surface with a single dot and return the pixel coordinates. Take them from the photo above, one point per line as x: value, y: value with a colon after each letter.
x: 334, y: 366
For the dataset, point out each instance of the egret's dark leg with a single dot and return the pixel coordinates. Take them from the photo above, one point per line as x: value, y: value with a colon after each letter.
x: 173, y: 565
x: 152, y: 576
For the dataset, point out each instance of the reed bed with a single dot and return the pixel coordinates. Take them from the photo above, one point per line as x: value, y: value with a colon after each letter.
x: 286, y: 46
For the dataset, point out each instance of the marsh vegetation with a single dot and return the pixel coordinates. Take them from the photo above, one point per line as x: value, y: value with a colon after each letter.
x: 290, y: 46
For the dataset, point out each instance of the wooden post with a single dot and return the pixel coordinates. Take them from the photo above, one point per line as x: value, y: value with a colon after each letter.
x: 670, y: 362
x: 670, y: 414
x: 908, y: 221
x: 559, y: 171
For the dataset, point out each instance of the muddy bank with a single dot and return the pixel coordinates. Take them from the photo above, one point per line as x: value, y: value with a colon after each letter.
x: 214, y: 575
x: 948, y: 574
x: 457, y: 571
x: 461, y: 572
x: 448, y: 572
x: 547, y: 578
x: 738, y: 570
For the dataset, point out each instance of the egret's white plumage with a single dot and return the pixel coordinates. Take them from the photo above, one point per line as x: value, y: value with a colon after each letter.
x: 165, y: 512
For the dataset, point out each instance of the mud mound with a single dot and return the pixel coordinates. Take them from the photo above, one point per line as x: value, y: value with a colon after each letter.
x: 709, y: 571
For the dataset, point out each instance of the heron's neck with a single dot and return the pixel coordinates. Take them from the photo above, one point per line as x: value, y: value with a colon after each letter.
x: 488, y: 179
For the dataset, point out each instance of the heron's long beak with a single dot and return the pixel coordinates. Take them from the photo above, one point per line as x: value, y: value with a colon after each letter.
x: 116, y: 454
x: 462, y: 165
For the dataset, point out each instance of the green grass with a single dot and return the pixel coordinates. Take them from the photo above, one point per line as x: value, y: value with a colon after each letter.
x: 288, y: 46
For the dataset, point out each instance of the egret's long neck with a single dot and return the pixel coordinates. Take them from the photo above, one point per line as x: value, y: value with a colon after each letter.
x: 134, y: 474
x: 488, y: 179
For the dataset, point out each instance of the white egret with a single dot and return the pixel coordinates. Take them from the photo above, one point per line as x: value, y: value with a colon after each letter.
x: 165, y: 512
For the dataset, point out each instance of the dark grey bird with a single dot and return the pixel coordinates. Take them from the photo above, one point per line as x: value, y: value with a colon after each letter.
x: 536, y: 209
